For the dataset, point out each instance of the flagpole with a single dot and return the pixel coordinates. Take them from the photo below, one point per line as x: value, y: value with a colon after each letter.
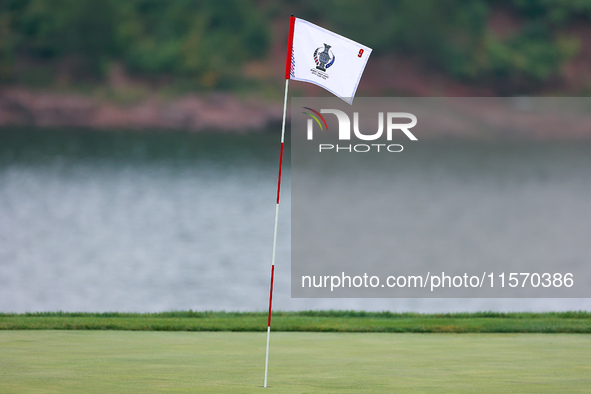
x: 275, y: 231
x: 287, y: 76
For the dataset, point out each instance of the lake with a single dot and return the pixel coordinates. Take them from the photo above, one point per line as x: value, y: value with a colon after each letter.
x: 147, y: 222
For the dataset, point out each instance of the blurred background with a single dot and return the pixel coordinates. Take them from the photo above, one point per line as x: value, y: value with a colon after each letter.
x: 138, y: 139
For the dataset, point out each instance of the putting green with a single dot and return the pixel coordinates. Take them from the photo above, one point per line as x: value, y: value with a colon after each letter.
x: 123, y: 361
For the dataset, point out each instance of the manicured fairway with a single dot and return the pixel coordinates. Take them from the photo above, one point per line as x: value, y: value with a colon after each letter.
x: 125, y: 361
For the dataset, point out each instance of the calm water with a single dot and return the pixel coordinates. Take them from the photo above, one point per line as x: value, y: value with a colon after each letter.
x: 152, y: 222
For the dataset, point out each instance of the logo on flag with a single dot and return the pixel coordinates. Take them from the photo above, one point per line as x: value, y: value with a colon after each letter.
x: 324, y: 59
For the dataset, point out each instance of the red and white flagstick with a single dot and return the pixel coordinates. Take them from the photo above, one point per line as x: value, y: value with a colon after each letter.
x: 287, y: 75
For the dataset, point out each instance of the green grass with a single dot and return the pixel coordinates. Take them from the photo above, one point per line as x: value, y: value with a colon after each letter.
x: 320, y: 321
x: 122, y: 361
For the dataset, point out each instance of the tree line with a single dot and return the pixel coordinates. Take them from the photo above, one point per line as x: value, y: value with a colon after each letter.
x: 206, y: 41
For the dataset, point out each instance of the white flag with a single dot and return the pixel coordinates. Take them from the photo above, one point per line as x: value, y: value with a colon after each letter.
x: 321, y: 57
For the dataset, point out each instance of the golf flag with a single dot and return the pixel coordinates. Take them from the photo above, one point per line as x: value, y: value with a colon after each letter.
x: 321, y: 57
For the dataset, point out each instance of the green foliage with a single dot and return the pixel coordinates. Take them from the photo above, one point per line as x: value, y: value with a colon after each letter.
x: 6, y: 46
x: 454, y: 36
x: 203, y: 43
x: 203, y: 40
x: 530, y: 56
x: 80, y: 31
x: 556, y: 12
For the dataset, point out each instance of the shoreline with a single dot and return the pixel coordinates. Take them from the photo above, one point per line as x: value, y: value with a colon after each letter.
x: 478, y: 118
x: 190, y: 112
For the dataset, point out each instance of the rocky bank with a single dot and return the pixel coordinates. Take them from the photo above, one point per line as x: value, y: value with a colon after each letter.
x: 23, y: 107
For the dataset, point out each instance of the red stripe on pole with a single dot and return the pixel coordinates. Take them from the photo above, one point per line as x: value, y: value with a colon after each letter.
x: 271, y: 294
x: 279, y: 180
x: 289, y: 48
